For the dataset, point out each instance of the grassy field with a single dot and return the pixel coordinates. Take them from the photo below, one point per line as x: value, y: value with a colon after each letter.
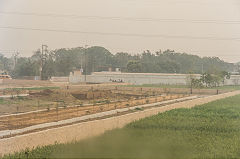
x: 158, y: 86
x: 182, y: 86
x: 208, y: 131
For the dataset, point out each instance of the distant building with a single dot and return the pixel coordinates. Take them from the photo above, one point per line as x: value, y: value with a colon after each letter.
x: 4, y: 75
x: 2, y: 72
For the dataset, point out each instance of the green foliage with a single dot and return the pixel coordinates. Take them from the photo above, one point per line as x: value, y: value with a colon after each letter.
x: 158, y: 86
x: 2, y: 101
x: 20, y: 98
x: 5, y: 63
x: 134, y: 66
x: 208, y: 79
x: 196, y: 83
x: 183, y: 86
x: 61, y: 62
x: 25, y: 67
x: 208, y: 131
x: 139, y: 109
x: 213, y: 80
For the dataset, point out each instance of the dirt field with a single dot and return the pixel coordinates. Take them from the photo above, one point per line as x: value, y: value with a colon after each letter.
x: 48, y: 97
x: 42, y: 95
x: 56, y: 114
x: 59, y: 101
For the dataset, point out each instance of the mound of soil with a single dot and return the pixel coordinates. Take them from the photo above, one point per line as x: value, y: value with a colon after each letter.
x: 81, y: 96
x: 96, y: 94
x: 45, y: 92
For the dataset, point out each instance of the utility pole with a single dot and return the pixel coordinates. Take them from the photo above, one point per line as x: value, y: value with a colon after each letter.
x: 15, y: 56
x: 85, y: 54
x: 43, y: 54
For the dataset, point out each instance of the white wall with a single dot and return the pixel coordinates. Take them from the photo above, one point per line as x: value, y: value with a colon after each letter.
x: 134, y: 78
x: 59, y: 79
x: 234, y: 80
x: 143, y: 78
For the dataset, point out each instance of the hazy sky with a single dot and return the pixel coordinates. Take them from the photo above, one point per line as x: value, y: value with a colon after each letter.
x: 183, y: 36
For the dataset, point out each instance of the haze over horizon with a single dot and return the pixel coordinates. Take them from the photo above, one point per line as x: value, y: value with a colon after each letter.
x: 204, y: 28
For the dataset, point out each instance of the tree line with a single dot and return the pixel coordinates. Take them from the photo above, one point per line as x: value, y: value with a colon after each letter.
x: 61, y: 62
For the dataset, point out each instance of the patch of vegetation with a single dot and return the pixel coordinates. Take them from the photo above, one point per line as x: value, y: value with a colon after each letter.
x: 139, y: 109
x: 157, y: 86
x: 228, y: 87
x: 183, y: 86
x: 208, y: 131
x: 2, y: 101
x: 102, y: 101
x: 20, y: 98
x: 9, y: 101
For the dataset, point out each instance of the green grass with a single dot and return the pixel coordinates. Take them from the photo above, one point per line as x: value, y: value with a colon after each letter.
x: 229, y: 87
x: 208, y: 131
x: 2, y: 101
x: 182, y: 86
x: 158, y: 86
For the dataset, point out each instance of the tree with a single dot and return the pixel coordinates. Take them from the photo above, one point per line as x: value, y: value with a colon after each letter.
x: 214, y: 80
x: 134, y: 66
x: 26, y: 67
x: 5, y: 63
x: 98, y: 59
x: 224, y: 75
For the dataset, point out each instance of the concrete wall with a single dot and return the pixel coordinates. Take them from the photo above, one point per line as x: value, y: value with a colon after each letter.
x: 29, y: 78
x: 143, y: 78
x: 85, y: 130
x: 234, y: 80
x: 59, y: 79
x: 134, y: 78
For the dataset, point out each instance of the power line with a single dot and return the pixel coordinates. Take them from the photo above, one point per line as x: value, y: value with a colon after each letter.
x: 139, y: 19
x: 125, y: 34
